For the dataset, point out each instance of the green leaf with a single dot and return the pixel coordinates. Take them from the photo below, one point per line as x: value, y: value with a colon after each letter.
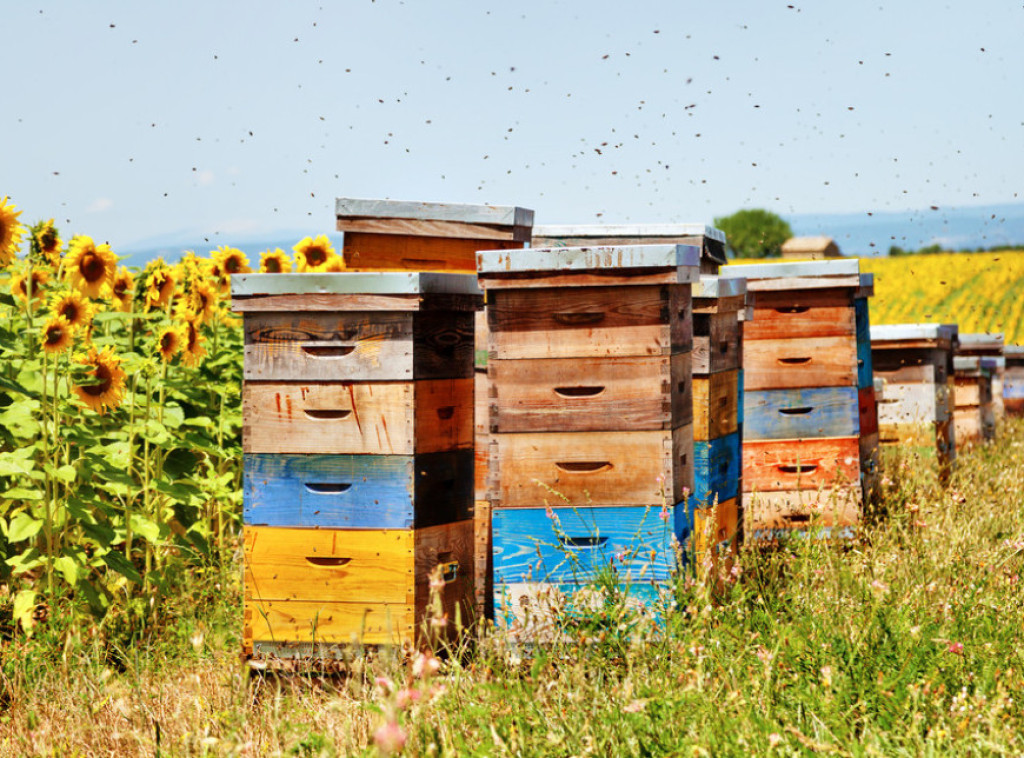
x: 180, y: 462
x: 65, y: 473
x: 68, y: 568
x: 24, y: 606
x: 23, y: 527
x: 27, y: 560
x: 13, y: 386
x: 23, y: 493
x: 98, y: 603
x: 15, y: 464
x: 142, y: 526
x: 122, y: 565
x: 174, y: 416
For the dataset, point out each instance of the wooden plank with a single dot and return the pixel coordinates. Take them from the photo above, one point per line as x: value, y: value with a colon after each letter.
x: 683, y: 260
x: 357, y: 491
x: 865, y: 376
x: 897, y: 334
x: 358, y: 346
x: 789, y: 465
x: 799, y: 414
x: 589, y: 322
x: 716, y: 470
x: 399, y: 252
x: 578, y: 545
x: 350, y: 283
x: 633, y: 277
x: 716, y: 534
x: 352, y: 208
x: 716, y: 343
x: 968, y: 426
x: 909, y: 435
x: 277, y: 621
x: 480, y: 235
x: 867, y: 410
x: 799, y: 321
x: 800, y: 510
x: 590, y: 468
x: 590, y: 394
x: 914, y: 403
x: 894, y: 372
x: 840, y: 267
x: 328, y: 302
x: 968, y: 392
x: 483, y: 577
x: 715, y: 405
x: 451, y: 547
x: 333, y: 565
x: 796, y: 363
x: 552, y: 235
x: 381, y: 418
x: 481, y: 432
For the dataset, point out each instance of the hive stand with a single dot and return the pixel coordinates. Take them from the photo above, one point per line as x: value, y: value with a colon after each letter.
x: 809, y: 418
x: 1013, y: 380
x: 358, y: 456
x: 989, y: 345
x: 916, y: 363
x: 385, y: 235
x: 591, y: 421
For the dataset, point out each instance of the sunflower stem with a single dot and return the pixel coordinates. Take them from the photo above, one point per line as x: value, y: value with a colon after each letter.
x: 48, y: 486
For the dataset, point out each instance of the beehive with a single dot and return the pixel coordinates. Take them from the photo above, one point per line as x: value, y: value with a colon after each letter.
x: 916, y: 362
x: 358, y: 455
x: 973, y: 416
x: 591, y: 420
x: 384, y: 235
x: 1013, y: 380
x: 989, y: 345
x: 807, y: 457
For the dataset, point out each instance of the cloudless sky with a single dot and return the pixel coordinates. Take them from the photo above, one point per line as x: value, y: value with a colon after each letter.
x: 132, y: 121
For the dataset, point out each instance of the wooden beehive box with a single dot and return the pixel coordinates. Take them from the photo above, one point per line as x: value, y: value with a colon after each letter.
x: 1013, y: 380
x: 973, y: 417
x: 809, y: 416
x: 989, y: 345
x: 358, y: 455
x: 591, y: 416
x: 711, y: 241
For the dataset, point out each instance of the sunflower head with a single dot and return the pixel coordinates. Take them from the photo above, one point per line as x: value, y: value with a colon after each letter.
x: 169, y: 342
x: 123, y: 289
x: 32, y: 281
x: 231, y: 260
x: 202, y: 301
x: 10, y: 232
x: 275, y: 262
x: 193, y: 351
x: 160, y: 283
x: 46, y: 243
x: 57, y: 335
x: 72, y: 307
x: 106, y: 380
x: 314, y: 254
x: 91, y: 267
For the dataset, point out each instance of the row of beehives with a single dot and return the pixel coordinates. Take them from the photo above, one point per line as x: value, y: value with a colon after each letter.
x: 612, y: 394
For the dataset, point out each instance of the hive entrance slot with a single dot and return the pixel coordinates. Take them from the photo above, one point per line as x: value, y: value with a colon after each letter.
x: 323, y: 415
x: 328, y: 488
x: 582, y: 541
x: 328, y: 351
x: 793, y: 309
x: 578, y: 319
x: 579, y: 391
x: 795, y: 361
x: 797, y: 468
x: 327, y: 562
x: 797, y: 518
x: 796, y: 411
x: 583, y: 467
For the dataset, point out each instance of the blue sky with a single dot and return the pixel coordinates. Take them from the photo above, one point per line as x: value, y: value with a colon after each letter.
x: 139, y: 121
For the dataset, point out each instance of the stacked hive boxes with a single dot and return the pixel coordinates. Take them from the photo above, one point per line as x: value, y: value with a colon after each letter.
x: 973, y: 413
x: 358, y: 465
x: 1013, y: 380
x: 916, y: 362
x: 386, y: 235
x: 591, y: 418
x: 804, y: 366
x: 718, y: 306
x: 989, y: 346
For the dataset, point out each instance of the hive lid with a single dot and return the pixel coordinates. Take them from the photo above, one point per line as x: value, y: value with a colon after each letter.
x: 1014, y: 352
x: 605, y: 259
x: 409, y: 217
x: 601, y: 231
x: 902, y: 332
x: 971, y: 363
x: 981, y: 341
x: 715, y: 287
x: 354, y: 283
x: 843, y: 268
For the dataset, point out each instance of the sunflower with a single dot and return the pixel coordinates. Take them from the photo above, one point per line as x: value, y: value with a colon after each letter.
x: 124, y: 289
x: 160, y: 283
x: 170, y: 342
x: 231, y: 260
x: 335, y: 265
x: 202, y: 301
x: 92, y: 267
x: 275, y: 262
x: 107, y: 387
x: 48, y: 242
x: 72, y: 307
x: 57, y: 335
x: 10, y: 231
x: 213, y: 273
x: 33, y: 279
x: 193, y: 351
x: 314, y: 254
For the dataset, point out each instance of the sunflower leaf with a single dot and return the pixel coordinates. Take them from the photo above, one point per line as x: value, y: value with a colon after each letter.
x: 68, y: 567
x: 23, y: 527
x: 24, y: 605
x: 143, y: 527
x: 122, y: 566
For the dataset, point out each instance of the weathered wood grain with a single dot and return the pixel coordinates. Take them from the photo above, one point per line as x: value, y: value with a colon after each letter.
x: 282, y: 621
x: 589, y: 322
x: 802, y: 509
x: 797, y: 363
x: 716, y: 343
x: 348, y: 209
x: 405, y: 251
x: 914, y: 403
x: 358, y: 346
x: 381, y: 418
x: 798, y: 414
x: 790, y: 465
x: 716, y: 533
x: 867, y: 410
x: 590, y: 468
x: 481, y: 433
x: 591, y: 278
x: 715, y: 405
x: 679, y: 260
x: 357, y: 491
x: 483, y: 577
x: 800, y: 321
x: 716, y: 470
x: 577, y: 545
x: 590, y: 394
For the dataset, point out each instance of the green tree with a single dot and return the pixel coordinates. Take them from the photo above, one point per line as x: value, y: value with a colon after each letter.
x: 754, y: 233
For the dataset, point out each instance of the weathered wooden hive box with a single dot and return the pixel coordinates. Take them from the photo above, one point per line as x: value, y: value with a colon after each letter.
x: 358, y: 455
x: 710, y: 240
x: 591, y: 419
x: 810, y: 431
x: 973, y: 415
x: 988, y: 345
x: 1013, y: 380
x: 387, y: 235
x: 916, y: 362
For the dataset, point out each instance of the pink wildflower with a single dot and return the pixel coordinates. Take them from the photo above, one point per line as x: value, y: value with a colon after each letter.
x: 390, y: 738
x: 406, y: 697
x: 425, y: 665
x: 957, y: 648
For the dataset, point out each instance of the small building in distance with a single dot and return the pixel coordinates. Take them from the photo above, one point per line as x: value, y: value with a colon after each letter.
x: 810, y: 248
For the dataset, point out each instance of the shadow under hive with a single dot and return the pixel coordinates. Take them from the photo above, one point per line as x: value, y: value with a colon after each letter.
x: 391, y: 235
x: 916, y: 410
x: 810, y: 431
x: 591, y: 420
x: 358, y: 456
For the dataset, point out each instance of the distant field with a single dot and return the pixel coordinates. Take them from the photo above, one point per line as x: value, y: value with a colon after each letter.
x: 982, y: 292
